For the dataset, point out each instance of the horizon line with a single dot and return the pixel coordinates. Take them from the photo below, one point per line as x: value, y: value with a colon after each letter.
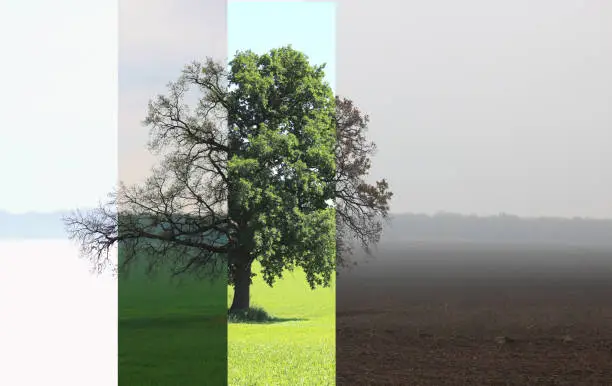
x: 438, y: 213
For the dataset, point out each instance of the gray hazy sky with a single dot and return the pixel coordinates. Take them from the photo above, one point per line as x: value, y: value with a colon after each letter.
x: 476, y: 106
x: 485, y: 106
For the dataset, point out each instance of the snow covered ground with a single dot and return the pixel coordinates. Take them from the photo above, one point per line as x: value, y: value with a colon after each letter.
x: 58, y: 321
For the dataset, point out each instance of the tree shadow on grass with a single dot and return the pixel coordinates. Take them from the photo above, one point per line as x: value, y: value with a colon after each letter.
x: 210, y: 321
x: 257, y: 315
x: 269, y: 321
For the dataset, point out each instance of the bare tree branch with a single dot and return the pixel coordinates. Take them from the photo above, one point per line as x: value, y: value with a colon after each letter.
x: 360, y: 207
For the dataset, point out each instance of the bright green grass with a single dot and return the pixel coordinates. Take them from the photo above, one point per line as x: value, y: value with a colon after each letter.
x: 291, y: 352
x: 172, y: 333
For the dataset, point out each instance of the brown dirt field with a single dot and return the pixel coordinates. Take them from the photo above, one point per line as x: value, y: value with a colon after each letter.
x: 476, y: 317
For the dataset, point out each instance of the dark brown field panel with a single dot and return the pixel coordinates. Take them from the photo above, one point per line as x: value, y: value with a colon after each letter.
x: 479, y: 316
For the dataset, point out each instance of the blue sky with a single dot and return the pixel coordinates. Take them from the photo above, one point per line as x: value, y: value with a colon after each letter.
x: 261, y: 26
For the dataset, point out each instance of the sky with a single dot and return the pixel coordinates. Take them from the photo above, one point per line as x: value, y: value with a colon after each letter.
x: 476, y: 107
x: 484, y: 106
x: 156, y: 40
x: 58, y: 103
x: 153, y: 51
x: 261, y: 26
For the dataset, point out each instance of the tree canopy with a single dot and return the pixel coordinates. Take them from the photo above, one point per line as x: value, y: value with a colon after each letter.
x: 268, y: 165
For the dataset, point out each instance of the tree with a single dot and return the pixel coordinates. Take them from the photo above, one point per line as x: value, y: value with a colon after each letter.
x: 361, y: 207
x: 249, y: 173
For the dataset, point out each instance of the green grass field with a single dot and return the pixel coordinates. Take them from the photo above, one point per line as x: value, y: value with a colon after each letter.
x: 171, y: 333
x: 177, y: 333
x: 298, y: 350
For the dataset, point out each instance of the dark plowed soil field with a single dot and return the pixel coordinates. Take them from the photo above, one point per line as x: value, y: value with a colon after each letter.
x: 476, y: 315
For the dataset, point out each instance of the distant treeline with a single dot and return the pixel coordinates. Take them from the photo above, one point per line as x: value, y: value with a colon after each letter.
x: 502, y: 228
x: 403, y: 228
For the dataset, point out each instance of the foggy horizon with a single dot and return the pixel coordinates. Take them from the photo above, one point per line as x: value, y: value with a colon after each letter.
x: 392, y: 214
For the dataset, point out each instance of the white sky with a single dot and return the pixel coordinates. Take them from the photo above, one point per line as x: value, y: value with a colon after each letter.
x: 58, y: 103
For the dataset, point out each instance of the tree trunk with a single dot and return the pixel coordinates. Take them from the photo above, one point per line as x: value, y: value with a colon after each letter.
x: 237, y: 258
x: 242, y: 288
